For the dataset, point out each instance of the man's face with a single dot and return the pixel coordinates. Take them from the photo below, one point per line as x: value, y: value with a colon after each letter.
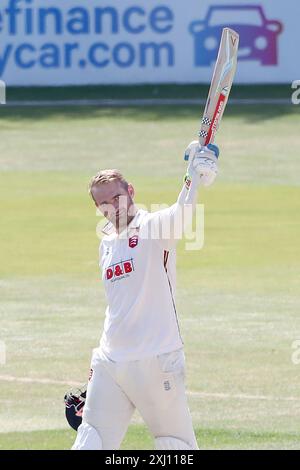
x: 114, y: 202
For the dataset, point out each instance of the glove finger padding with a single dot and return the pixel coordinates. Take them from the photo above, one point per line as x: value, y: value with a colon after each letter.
x: 202, y: 161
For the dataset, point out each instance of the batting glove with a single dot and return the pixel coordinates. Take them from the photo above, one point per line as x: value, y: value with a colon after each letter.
x: 203, y: 161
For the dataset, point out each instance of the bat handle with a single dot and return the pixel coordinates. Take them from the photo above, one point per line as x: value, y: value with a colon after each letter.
x: 215, y: 149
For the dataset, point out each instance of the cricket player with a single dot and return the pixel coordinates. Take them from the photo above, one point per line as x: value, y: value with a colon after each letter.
x: 140, y: 362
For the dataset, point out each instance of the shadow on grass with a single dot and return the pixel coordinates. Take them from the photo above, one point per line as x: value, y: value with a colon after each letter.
x: 143, y: 91
x: 251, y: 113
x: 138, y: 437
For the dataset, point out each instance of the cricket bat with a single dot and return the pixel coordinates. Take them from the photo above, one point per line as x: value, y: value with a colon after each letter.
x: 220, y: 86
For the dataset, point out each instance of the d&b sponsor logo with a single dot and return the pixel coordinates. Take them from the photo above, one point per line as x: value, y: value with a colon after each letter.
x: 119, y: 270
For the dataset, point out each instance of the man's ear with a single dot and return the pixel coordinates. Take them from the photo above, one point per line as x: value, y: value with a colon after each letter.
x: 130, y: 190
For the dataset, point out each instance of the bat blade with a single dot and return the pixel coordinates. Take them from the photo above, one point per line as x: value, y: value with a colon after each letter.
x: 220, y: 87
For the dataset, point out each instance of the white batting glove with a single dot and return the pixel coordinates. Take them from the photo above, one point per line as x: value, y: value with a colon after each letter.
x: 203, y: 161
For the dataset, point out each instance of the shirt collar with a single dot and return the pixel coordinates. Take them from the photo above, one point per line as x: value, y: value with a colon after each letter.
x: 109, y: 228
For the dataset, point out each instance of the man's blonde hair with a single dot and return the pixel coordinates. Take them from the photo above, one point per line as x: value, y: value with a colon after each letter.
x: 107, y: 176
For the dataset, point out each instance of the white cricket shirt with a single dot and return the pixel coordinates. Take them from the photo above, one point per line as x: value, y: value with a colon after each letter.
x: 139, y: 274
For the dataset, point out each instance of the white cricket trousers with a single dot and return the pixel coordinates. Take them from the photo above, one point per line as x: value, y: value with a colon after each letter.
x: 155, y: 386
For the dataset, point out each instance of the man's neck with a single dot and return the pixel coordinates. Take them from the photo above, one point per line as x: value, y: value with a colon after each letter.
x: 121, y: 228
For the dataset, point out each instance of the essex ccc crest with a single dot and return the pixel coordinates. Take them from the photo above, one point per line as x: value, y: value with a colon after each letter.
x: 133, y: 241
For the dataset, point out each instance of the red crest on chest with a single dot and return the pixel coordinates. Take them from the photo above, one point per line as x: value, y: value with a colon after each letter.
x: 133, y: 241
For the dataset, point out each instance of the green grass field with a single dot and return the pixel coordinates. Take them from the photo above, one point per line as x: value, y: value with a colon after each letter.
x: 238, y: 297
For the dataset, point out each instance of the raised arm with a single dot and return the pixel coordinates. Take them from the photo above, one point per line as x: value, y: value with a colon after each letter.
x: 169, y: 224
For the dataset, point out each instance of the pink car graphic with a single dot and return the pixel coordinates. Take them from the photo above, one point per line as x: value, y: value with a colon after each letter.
x: 258, y: 35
